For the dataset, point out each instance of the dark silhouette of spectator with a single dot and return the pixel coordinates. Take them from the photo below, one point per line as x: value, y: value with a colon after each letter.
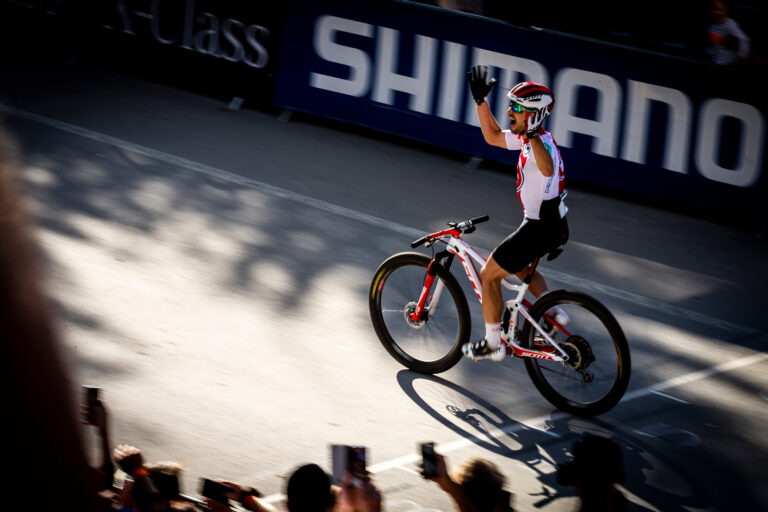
x: 140, y: 493
x: 309, y: 489
x: 477, y: 486
x: 595, y: 470
x: 728, y: 44
x: 46, y: 443
x: 152, y: 486
x: 166, y: 479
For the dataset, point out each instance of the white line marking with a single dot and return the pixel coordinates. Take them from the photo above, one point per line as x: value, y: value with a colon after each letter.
x: 408, y: 470
x: 655, y: 392
x: 698, y: 375
x: 213, y: 172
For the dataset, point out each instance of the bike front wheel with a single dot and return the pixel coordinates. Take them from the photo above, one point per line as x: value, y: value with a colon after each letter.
x: 431, y: 343
x: 596, y: 375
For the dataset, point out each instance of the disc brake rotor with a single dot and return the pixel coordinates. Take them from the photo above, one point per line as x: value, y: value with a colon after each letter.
x: 408, y: 312
x: 579, y: 352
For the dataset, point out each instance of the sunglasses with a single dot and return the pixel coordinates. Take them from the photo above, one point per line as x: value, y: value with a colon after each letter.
x: 516, y: 107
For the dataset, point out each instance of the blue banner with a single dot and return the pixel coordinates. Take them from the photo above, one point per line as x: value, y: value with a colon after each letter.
x: 655, y: 125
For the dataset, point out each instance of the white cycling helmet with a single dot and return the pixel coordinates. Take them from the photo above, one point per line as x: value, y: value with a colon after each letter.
x: 531, y: 97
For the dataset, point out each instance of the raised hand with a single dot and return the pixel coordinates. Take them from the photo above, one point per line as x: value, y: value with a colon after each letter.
x: 534, y: 122
x: 479, y: 84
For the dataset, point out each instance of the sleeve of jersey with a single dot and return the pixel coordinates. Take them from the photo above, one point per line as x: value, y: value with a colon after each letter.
x: 513, y: 141
x: 549, y: 143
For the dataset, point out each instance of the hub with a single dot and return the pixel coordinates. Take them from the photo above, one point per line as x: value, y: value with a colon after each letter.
x: 579, y: 352
x: 408, y: 311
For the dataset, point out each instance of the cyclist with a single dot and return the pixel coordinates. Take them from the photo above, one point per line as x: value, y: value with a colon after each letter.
x: 540, y: 188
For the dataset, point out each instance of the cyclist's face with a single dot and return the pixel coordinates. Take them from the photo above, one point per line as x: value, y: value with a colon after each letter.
x: 516, y: 121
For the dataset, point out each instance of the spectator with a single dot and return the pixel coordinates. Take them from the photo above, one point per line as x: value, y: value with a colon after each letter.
x: 478, y: 486
x: 166, y: 479
x: 45, y: 436
x: 139, y: 494
x: 309, y: 489
x: 728, y: 44
x: 361, y: 497
x: 595, y: 470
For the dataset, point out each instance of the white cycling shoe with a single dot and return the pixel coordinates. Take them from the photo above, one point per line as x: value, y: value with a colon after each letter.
x: 558, y: 315
x: 480, y: 350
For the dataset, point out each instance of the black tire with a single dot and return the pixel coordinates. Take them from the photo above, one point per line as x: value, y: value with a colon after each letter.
x: 599, y: 350
x: 434, y: 344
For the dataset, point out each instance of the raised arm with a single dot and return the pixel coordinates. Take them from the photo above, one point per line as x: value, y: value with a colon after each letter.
x: 491, y: 130
x: 542, y: 156
x: 480, y: 87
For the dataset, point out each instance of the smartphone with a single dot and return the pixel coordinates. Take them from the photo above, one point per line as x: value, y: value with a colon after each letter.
x: 348, y: 458
x: 429, y: 461
x: 214, y: 490
x: 91, y: 399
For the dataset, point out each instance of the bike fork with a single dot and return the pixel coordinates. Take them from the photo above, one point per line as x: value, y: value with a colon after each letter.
x: 421, y: 305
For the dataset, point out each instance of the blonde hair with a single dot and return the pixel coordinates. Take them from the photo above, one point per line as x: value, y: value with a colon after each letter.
x: 482, y: 483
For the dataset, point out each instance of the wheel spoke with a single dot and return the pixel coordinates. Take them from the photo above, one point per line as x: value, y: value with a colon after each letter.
x: 596, y: 374
x: 562, y: 374
x: 433, y: 342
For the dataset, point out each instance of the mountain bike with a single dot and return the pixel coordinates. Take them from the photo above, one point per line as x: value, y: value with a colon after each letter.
x: 421, y: 316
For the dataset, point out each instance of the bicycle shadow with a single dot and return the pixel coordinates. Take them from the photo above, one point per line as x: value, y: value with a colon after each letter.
x: 485, y: 419
x: 486, y: 425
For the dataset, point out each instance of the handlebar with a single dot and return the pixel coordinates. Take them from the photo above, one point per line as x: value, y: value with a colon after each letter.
x: 471, y: 222
x: 467, y: 226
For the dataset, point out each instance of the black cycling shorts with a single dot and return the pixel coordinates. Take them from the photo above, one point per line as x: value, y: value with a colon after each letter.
x: 533, y: 239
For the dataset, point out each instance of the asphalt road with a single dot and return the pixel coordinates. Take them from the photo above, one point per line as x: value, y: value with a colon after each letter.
x: 210, y: 269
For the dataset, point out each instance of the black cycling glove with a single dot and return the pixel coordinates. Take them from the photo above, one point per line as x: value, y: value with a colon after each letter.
x: 479, y: 84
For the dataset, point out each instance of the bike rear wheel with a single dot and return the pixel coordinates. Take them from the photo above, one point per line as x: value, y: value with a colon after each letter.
x: 596, y: 375
x: 433, y: 343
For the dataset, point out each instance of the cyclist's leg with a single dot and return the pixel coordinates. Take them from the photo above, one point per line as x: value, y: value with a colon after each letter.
x: 512, y: 255
x: 553, y: 235
x: 493, y: 303
x: 538, y: 285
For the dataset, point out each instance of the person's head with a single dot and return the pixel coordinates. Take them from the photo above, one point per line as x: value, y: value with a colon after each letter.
x: 597, y: 464
x: 165, y: 476
x: 527, y: 99
x: 482, y: 484
x: 718, y: 10
x: 309, y: 490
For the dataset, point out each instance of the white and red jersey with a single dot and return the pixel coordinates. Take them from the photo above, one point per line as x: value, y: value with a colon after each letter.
x: 532, y: 186
x: 718, y: 50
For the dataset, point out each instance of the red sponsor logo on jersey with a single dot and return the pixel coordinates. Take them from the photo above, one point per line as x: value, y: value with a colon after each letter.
x: 520, y: 165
